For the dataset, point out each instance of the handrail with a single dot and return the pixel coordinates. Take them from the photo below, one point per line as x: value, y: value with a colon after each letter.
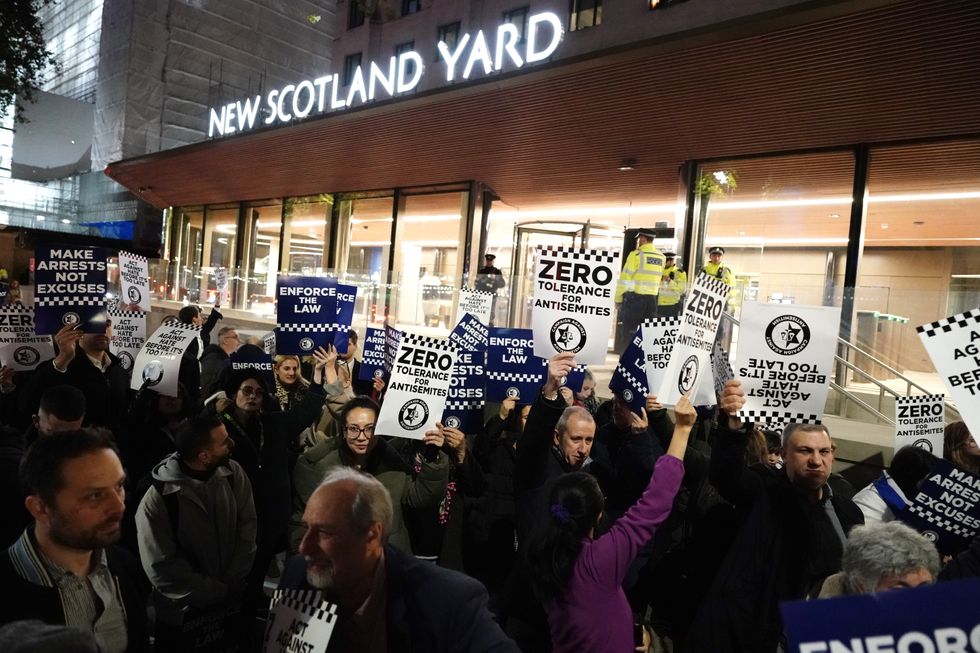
x: 861, y: 403
x: 885, y: 365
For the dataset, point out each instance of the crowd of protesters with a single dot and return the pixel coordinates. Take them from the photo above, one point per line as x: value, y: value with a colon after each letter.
x: 567, y: 523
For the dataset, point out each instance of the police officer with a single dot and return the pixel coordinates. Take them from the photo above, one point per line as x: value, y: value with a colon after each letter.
x: 639, y: 283
x: 714, y: 268
x: 490, y: 279
x: 672, y: 287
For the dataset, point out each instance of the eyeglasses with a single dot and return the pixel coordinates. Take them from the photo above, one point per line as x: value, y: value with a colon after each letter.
x: 232, y: 336
x: 248, y: 391
x: 355, y: 432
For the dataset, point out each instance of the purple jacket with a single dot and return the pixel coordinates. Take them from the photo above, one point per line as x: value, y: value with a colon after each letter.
x: 593, y: 614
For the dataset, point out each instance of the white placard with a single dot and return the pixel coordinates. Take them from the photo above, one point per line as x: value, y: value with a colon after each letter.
x: 785, y: 358
x: 128, y: 336
x: 691, y: 356
x: 920, y: 421
x: 221, y: 286
x: 953, y: 345
x: 158, y: 364
x: 658, y: 341
x: 134, y: 281
x: 416, y: 395
x: 16, y: 323
x: 478, y: 303
x: 573, y: 303
x: 299, y: 620
x: 27, y: 354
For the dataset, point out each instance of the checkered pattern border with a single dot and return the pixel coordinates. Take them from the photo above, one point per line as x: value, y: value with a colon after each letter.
x: 763, y: 415
x: 948, y: 324
x: 662, y: 322
x: 713, y: 284
x: 428, y: 341
x: 920, y: 399
x: 135, y: 257
x: 16, y: 308
x: 638, y: 385
x: 308, y: 602
x: 309, y: 328
x: 69, y: 301
x: 185, y: 327
x: 469, y: 404
x: 514, y: 377
x: 474, y: 291
x: 597, y: 255
x: 126, y: 315
x: 719, y: 355
x: 940, y: 521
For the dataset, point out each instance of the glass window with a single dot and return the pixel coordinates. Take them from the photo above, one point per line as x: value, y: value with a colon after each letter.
x: 402, y: 48
x: 584, y: 14
x: 306, y: 234
x: 186, y: 246
x: 355, y: 16
x: 449, y: 34
x: 260, y: 257
x: 351, y: 63
x: 220, y: 241
x: 518, y: 18
x: 411, y: 6
x: 921, y: 257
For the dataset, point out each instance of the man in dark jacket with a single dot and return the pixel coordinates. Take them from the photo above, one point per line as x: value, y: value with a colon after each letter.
x: 215, y: 359
x: 64, y: 569
x: 791, y: 537
x: 84, y: 362
x: 387, y: 600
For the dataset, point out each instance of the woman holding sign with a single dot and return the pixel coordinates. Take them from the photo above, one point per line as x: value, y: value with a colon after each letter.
x: 579, y: 577
x: 960, y: 448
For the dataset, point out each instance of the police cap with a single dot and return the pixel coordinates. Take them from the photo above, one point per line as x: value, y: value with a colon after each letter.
x: 716, y: 250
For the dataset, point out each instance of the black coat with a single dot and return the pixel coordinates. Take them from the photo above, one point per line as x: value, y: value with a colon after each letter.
x: 784, y: 547
x: 214, y: 362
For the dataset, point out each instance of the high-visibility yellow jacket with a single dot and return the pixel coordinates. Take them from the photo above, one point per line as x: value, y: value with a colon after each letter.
x: 671, y: 289
x: 719, y: 271
x: 642, y: 273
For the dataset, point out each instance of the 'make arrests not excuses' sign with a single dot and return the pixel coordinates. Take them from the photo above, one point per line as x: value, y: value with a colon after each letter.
x: 69, y: 288
x: 416, y: 395
x: 953, y: 345
x: 573, y: 302
x: 306, y: 311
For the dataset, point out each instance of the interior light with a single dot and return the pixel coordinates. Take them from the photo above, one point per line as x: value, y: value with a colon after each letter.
x: 884, y: 225
x: 40, y: 218
x: 627, y: 164
x: 65, y: 221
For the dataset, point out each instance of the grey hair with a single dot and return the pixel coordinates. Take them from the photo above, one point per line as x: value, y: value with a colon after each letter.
x: 570, y: 412
x: 881, y: 549
x: 371, y: 503
x: 792, y: 428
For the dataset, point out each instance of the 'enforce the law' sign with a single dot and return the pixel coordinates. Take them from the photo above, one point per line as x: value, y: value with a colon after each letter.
x: 416, y: 396
x: 306, y: 311
x: 573, y: 302
x: 69, y: 288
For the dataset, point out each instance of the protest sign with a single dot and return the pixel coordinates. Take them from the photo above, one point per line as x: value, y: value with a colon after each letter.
x: 629, y: 377
x: 658, y: 341
x: 221, y: 286
x: 920, y: 421
x: 945, y: 508
x: 299, y: 620
x: 128, y: 336
x: 721, y: 371
x: 478, y: 303
x: 690, y: 357
x: 70, y: 286
x: 249, y: 357
x: 346, y: 297
x: 392, y: 339
x: 373, y: 355
x: 467, y: 391
x: 572, y: 308
x: 785, y: 357
x: 269, y: 343
x: 157, y: 365
x: 16, y: 323
x: 939, y: 618
x: 134, y: 281
x: 953, y: 344
x: 201, y: 630
x: 470, y: 334
x: 513, y: 371
x: 416, y: 395
x: 306, y: 312
x: 26, y: 354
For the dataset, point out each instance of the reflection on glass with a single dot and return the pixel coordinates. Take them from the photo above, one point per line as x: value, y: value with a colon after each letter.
x: 306, y: 230
x: 220, y: 236
x: 263, y: 224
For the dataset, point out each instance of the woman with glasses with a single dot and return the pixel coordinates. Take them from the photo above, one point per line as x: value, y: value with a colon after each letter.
x: 362, y: 448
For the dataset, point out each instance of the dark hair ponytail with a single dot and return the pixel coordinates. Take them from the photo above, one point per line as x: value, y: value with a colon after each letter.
x: 574, y: 505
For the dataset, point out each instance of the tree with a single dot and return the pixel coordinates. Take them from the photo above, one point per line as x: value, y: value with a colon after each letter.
x: 23, y: 54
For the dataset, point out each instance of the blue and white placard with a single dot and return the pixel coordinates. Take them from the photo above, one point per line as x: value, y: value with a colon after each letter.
x: 478, y: 303
x: 953, y: 344
x: 920, y: 421
x: 416, y: 394
x: 299, y: 620
x: 785, y: 359
x: 393, y: 337
x: 250, y: 357
x: 629, y: 377
x: 573, y: 303
x: 372, y: 355
x: 690, y: 358
x: 346, y: 298
x: 945, y: 508
x: 128, y: 336
x: 306, y: 312
x: 157, y: 366
x: 513, y: 371
x: 70, y: 284
x: 134, y: 282
x: 939, y: 618
x: 470, y: 334
x: 467, y: 392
